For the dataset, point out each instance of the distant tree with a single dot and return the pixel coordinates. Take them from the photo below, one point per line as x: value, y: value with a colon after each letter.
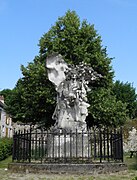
x: 126, y: 93
x: 14, y: 104
x: 6, y: 93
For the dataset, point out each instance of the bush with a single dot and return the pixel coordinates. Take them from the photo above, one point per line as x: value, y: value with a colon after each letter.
x: 135, y: 178
x: 5, y: 147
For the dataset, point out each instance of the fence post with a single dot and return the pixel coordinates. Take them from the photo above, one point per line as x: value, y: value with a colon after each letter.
x: 70, y: 145
x: 35, y: 145
x: 121, y: 137
x: 24, y: 146
x: 30, y: 146
x: 18, y: 146
x: 115, y: 140
x: 47, y: 147
x: 14, y: 154
x: 104, y: 142
x: 53, y: 136
x: 88, y: 144
x: 111, y: 145
x: 95, y: 147
x: 108, y: 144
x: 82, y: 145
x: 76, y: 143
x: 100, y: 140
x: 65, y: 157
x: 42, y: 147
x: 59, y: 147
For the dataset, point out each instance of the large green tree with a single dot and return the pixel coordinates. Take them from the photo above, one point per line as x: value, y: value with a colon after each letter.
x: 77, y: 42
x: 34, y: 95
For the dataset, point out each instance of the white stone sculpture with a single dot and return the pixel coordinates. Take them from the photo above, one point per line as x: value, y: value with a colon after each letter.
x: 130, y: 143
x: 71, y: 83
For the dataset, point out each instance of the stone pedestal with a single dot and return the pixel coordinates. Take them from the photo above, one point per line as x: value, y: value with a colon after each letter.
x: 69, y: 145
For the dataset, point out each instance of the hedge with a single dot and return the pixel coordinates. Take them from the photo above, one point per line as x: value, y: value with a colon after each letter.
x: 5, y: 147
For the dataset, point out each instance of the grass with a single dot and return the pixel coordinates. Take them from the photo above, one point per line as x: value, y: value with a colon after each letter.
x: 4, y: 163
x: 6, y: 175
x: 131, y: 162
x: 130, y: 174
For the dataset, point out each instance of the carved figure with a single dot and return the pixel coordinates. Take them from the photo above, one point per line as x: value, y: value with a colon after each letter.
x: 71, y: 84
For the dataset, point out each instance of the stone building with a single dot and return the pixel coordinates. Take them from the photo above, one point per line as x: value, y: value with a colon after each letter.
x: 6, y: 129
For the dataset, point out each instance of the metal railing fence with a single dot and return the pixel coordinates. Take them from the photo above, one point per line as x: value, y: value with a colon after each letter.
x: 60, y: 146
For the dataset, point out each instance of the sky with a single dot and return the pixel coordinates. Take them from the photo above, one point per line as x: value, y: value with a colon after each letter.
x: 23, y: 23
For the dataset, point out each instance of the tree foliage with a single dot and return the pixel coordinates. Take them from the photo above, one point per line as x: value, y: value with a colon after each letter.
x: 6, y: 93
x: 33, y: 98
x: 126, y: 93
x: 77, y: 42
x: 105, y: 110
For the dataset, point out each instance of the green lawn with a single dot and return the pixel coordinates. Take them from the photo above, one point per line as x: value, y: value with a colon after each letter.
x: 130, y: 174
x: 131, y: 162
x: 4, y: 163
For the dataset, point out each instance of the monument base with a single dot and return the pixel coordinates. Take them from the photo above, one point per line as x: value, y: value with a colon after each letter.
x: 68, y: 168
x: 69, y: 145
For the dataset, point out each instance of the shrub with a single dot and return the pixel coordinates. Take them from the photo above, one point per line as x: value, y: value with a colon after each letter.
x: 5, y: 147
x: 135, y: 178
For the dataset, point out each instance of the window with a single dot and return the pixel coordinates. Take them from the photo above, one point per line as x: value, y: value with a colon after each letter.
x: 7, y: 120
x: 6, y: 132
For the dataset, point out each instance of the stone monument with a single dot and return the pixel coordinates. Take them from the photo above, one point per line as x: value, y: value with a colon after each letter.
x: 71, y: 83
